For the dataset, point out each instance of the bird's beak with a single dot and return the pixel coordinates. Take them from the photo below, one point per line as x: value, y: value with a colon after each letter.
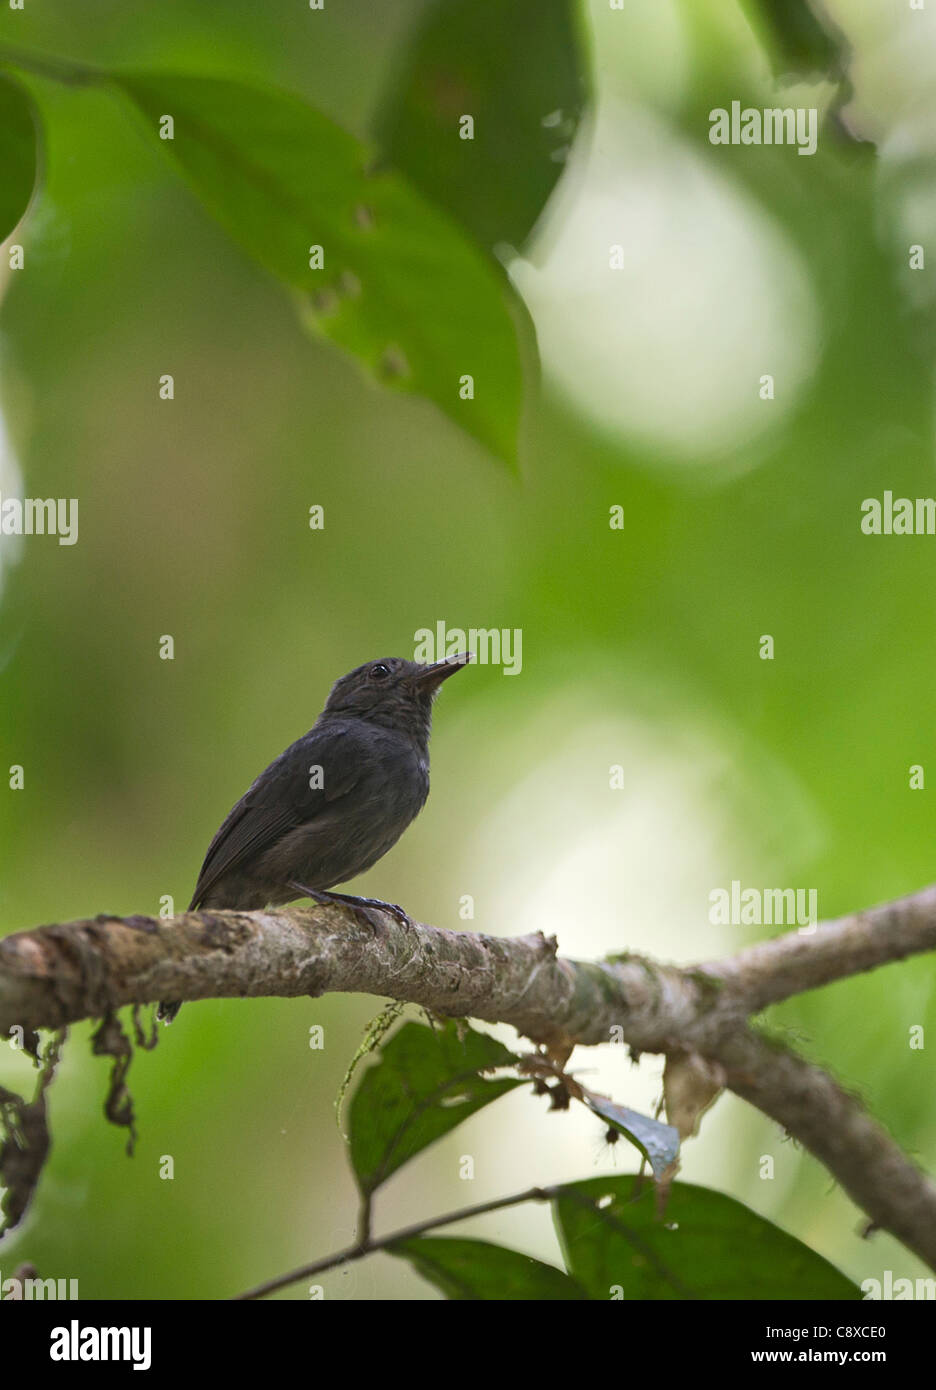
x: 432, y: 676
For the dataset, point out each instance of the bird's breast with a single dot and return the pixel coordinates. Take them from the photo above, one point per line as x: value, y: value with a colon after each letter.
x: 359, y: 827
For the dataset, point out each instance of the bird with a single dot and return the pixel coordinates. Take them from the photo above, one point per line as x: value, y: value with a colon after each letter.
x: 334, y: 802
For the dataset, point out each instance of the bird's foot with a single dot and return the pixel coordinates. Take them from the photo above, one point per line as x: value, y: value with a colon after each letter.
x: 361, y: 906
x: 394, y: 909
x: 316, y: 894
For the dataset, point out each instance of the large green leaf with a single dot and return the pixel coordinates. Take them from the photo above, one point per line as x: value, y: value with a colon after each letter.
x: 402, y: 287
x: 18, y: 154
x: 426, y: 1082
x: 476, y: 1269
x: 707, y: 1245
x: 518, y: 71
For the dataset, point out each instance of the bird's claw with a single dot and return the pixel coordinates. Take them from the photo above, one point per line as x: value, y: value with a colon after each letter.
x: 396, y: 911
x: 364, y: 905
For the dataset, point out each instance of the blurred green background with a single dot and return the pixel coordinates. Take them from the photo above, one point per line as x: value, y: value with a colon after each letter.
x: 640, y: 644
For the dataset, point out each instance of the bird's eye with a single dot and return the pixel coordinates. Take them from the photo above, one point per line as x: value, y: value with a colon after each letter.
x: 380, y: 670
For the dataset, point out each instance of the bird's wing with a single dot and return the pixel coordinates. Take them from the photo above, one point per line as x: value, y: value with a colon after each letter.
x: 280, y: 800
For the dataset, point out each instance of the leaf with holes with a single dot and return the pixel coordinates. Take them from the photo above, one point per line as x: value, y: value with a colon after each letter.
x: 706, y: 1245
x: 476, y: 1269
x: 374, y: 265
x: 426, y: 1082
x: 517, y: 72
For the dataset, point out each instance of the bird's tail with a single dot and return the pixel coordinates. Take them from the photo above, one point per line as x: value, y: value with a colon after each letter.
x: 167, y: 1012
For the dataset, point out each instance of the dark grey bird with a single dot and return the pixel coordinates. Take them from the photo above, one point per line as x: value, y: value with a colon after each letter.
x: 335, y: 801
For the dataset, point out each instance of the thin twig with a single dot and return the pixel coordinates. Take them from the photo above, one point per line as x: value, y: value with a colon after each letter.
x: 368, y: 1247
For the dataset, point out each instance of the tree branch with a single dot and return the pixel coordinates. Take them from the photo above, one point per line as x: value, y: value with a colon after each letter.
x: 58, y: 974
x: 801, y: 960
x: 835, y: 1127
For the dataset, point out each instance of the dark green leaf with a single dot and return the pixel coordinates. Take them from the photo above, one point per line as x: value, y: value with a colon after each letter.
x: 658, y: 1143
x: 18, y: 154
x: 799, y: 41
x: 402, y: 288
x: 476, y: 1269
x: 706, y: 1246
x: 518, y: 70
x: 426, y: 1082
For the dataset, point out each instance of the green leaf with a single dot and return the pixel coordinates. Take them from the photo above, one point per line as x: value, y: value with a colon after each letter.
x: 477, y: 1269
x: 706, y: 1246
x: 18, y: 154
x: 402, y: 288
x: 800, y: 42
x: 659, y: 1143
x: 518, y: 71
x: 426, y: 1082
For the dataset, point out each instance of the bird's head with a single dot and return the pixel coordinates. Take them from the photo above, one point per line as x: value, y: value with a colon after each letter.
x: 393, y: 692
